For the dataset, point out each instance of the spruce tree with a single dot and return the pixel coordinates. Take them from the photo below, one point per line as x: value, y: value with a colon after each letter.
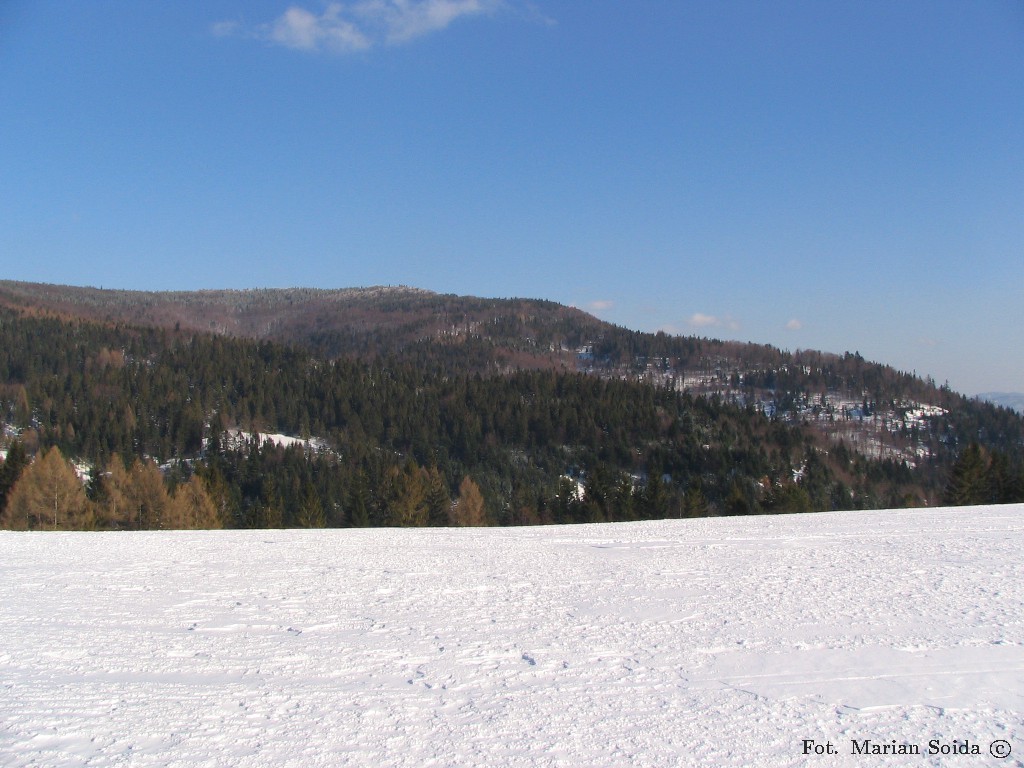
x: 968, y: 481
x: 695, y: 501
x: 311, y: 511
x: 655, y: 498
x: 11, y: 470
x: 438, y: 502
x: 359, y: 501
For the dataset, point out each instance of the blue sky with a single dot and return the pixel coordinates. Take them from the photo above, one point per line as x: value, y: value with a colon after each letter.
x: 827, y: 175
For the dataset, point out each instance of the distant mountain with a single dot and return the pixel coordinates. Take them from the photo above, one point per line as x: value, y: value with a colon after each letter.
x: 1011, y: 400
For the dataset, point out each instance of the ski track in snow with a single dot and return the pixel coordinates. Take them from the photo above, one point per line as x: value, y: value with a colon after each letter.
x: 700, y: 642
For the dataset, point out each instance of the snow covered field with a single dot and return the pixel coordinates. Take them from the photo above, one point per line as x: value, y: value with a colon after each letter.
x: 707, y: 642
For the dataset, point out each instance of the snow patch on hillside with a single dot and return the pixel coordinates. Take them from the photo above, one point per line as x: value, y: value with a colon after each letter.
x: 237, y: 438
x: 720, y: 642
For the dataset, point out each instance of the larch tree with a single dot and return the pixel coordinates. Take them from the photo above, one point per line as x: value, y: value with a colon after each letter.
x: 192, y: 508
x: 469, y: 509
x: 110, y: 504
x: 48, y: 496
x: 22, y: 410
x: 147, y: 497
x: 405, y: 496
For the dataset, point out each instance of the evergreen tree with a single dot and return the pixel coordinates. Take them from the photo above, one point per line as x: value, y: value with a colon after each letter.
x: 968, y: 482
x: 359, y: 501
x: 268, y: 509
x: 598, y: 494
x: 311, y: 511
x: 655, y: 498
x: 566, y: 505
x: 439, y: 504
x: 11, y: 469
x: 787, y: 497
x: 737, y: 503
x: 696, y: 504
x: 525, y: 510
x: 223, y: 496
x: 624, y: 498
x: 1001, y: 480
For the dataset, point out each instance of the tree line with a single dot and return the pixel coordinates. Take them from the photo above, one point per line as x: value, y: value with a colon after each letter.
x: 49, y: 494
x: 985, y: 476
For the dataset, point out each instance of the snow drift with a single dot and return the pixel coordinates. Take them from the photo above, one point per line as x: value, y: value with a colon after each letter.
x: 699, y: 642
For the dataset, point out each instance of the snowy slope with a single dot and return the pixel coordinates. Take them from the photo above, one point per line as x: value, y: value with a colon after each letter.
x: 706, y: 642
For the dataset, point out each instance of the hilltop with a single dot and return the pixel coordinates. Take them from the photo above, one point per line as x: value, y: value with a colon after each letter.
x: 1011, y: 400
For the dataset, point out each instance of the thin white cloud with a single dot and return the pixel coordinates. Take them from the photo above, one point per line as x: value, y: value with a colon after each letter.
x: 358, y: 26
x: 305, y: 31
x: 794, y: 325
x: 700, y: 320
x: 530, y: 12
x: 224, y: 28
x: 404, y: 20
x: 601, y: 304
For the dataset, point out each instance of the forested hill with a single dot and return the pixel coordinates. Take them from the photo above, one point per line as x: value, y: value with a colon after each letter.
x: 505, y: 412
x: 457, y: 333
x: 466, y: 334
x: 881, y: 411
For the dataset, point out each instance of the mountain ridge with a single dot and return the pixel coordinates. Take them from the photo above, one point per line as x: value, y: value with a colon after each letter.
x: 297, y: 315
x: 481, y: 334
